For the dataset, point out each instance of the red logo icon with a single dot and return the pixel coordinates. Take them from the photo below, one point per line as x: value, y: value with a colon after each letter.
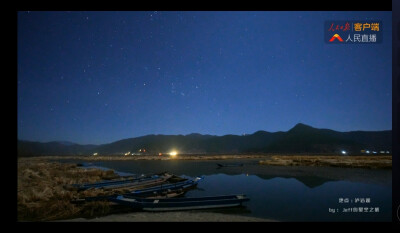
x: 336, y: 36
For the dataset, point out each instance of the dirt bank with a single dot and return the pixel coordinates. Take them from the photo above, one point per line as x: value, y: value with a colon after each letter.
x: 373, y: 162
x: 181, y: 216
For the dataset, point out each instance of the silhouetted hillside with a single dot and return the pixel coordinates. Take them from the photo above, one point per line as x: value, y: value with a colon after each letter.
x: 300, y: 139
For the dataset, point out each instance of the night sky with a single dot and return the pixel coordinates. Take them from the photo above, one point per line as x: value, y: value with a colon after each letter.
x: 98, y: 77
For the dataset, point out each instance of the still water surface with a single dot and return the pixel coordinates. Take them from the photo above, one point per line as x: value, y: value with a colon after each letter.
x: 305, y: 195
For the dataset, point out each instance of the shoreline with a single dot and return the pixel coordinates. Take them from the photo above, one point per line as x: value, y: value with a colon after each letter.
x: 147, y: 157
x: 175, y: 216
x: 43, y: 195
x: 371, y: 162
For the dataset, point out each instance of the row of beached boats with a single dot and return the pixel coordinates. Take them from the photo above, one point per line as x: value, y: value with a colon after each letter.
x: 160, y: 192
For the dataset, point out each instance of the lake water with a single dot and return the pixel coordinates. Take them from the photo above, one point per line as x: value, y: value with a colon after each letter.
x: 283, y: 193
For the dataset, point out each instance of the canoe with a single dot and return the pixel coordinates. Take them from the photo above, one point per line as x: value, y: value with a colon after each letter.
x: 116, y: 183
x: 172, y: 204
x: 139, y: 184
x: 113, y: 182
x: 166, y: 194
x: 158, y: 190
x: 183, y: 185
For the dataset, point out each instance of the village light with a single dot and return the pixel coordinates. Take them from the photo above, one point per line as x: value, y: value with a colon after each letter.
x: 344, y: 152
x: 173, y: 153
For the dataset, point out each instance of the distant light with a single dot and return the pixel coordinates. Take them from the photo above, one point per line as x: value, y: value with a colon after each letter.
x: 159, y: 154
x: 95, y: 154
x: 367, y: 151
x: 387, y: 152
x: 374, y: 152
x: 173, y: 153
x: 344, y: 152
x: 382, y: 152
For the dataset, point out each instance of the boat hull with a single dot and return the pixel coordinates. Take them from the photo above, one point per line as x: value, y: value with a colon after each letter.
x: 119, y: 183
x: 179, y: 186
x: 175, y: 204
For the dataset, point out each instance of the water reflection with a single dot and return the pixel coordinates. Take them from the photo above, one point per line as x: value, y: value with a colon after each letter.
x: 310, y: 176
x: 287, y: 199
x: 281, y: 193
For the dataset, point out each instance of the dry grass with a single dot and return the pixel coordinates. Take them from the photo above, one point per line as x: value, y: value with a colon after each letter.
x: 381, y: 162
x: 43, y: 192
x: 151, y: 157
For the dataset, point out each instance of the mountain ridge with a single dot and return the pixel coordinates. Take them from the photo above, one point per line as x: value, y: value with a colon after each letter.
x: 301, y: 138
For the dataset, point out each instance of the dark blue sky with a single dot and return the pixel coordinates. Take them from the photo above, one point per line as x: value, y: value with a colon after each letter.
x: 97, y: 77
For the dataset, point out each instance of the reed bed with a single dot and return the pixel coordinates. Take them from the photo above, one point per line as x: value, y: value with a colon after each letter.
x: 373, y: 162
x: 44, y: 193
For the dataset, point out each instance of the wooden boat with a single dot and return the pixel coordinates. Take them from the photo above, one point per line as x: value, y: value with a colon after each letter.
x: 170, y: 194
x: 139, y: 184
x: 171, y: 204
x: 159, y: 195
x: 230, y: 165
x: 123, y: 182
x: 183, y: 185
x: 168, y: 189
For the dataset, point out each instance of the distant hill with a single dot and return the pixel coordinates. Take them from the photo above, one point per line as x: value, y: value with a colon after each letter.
x: 300, y: 139
x: 28, y: 148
